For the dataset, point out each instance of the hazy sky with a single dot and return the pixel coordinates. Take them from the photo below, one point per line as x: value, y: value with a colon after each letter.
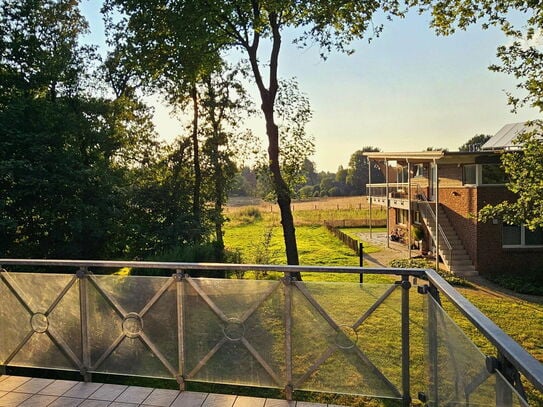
x: 406, y: 91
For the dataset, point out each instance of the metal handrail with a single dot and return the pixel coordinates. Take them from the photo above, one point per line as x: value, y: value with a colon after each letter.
x: 429, y: 211
x: 212, y: 266
x: 525, y: 363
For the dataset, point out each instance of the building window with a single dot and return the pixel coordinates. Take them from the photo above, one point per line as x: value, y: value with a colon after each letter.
x: 483, y: 174
x: 420, y: 171
x: 402, y: 216
x: 519, y: 236
x: 469, y: 174
x: 492, y: 174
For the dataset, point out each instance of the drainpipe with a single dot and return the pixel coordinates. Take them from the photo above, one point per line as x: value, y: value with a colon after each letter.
x: 409, y: 207
x: 387, y: 200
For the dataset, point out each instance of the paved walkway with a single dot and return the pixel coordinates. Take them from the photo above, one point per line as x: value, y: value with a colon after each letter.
x: 21, y: 391
x: 383, y: 257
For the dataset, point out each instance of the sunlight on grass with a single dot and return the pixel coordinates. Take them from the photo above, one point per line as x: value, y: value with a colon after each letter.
x: 522, y: 320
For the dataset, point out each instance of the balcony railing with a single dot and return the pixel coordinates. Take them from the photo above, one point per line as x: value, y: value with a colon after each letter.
x: 379, y: 340
x: 395, y: 190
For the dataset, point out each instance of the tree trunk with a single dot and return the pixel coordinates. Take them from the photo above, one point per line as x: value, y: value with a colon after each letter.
x: 281, y: 189
x: 267, y: 96
x: 196, y: 210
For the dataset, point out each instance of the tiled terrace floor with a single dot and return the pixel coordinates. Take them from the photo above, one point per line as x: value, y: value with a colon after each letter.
x: 21, y: 391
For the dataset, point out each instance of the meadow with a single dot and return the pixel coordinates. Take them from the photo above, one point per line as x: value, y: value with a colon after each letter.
x: 255, y: 233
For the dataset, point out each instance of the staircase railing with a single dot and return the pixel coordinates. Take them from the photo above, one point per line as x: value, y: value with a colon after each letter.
x: 427, y: 212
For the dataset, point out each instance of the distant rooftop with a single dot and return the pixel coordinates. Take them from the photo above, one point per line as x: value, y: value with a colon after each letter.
x: 503, y: 139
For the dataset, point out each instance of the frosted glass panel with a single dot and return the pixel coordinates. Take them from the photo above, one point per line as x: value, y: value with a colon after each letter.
x: 350, y: 331
x: 327, y: 337
x: 458, y: 373
x: 234, y: 331
x: 133, y: 324
x: 40, y: 320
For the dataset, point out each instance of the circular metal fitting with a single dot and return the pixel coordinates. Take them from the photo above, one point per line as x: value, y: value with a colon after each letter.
x: 346, y: 337
x: 234, y: 330
x: 132, y: 325
x: 39, y: 322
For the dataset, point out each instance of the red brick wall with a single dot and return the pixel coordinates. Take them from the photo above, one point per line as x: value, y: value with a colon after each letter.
x: 460, y: 204
x: 492, y: 257
x: 450, y: 175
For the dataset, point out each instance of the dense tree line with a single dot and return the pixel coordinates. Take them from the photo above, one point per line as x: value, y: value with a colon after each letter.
x: 348, y: 181
x: 81, y: 171
x: 82, y: 174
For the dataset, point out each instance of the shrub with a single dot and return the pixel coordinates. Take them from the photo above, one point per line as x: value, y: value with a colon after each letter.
x: 206, y: 252
x: 519, y: 284
x: 250, y: 214
x: 426, y: 264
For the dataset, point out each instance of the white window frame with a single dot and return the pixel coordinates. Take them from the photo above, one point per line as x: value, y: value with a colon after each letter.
x: 522, y: 244
x: 478, y: 176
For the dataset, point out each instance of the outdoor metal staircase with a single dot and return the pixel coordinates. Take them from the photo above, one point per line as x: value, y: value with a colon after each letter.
x: 451, y: 249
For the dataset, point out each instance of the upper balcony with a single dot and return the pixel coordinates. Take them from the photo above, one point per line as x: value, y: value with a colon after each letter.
x: 397, y: 194
x: 390, y: 341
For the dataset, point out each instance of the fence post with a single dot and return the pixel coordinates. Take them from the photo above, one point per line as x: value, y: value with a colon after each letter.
x: 361, y: 258
x: 84, y: 320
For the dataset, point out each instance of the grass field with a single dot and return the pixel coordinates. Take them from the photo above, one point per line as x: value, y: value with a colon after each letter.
x: 522, y: 320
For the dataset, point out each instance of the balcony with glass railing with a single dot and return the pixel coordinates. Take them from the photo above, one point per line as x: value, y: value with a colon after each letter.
x: 388, y: 341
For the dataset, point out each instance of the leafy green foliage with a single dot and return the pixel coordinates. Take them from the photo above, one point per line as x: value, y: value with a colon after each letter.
x: 525, y: 171
x: 474, y: 143
x: 81, y: 176
x: 189, y: 35
x: 520, y: 284
x: 427, y: 264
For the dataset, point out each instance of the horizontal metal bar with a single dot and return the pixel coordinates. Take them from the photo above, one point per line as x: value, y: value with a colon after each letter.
x: 211, y: 266
x: 530, y: 367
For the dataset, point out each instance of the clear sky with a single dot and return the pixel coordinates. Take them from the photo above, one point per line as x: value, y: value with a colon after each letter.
x: 406, y: 91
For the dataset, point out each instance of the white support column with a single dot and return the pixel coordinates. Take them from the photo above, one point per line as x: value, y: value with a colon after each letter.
x: 388, y: 202
x: 437, y: 214
x: 409, y: 207
x: 369, y: 195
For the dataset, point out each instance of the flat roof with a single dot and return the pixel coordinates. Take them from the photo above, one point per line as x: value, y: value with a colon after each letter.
x: 444, y: 157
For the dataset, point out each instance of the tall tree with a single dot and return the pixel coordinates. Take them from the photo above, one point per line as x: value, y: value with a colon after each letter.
x: 224, y: 101
x: 474, y: 143
x: 524, y: 169
x: 204, y: 27
x: 64, y: 155
x: 358, y: 172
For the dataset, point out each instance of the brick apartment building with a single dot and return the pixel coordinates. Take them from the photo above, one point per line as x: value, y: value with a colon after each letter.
x: 441, y: 192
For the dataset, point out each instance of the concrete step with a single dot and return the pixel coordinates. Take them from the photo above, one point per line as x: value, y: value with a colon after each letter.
x: 465, y: 272
x: 457, y: 257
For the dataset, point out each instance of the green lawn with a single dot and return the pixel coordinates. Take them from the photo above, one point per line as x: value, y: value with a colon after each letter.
x: 522, y: 320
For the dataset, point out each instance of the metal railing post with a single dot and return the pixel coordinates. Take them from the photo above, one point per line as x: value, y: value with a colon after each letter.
x: 361, y: 258
x: 504, y: 393
x: 180, y: 284
x: 289, y: 389
x: 82, y: 274
x: 406, y: 375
